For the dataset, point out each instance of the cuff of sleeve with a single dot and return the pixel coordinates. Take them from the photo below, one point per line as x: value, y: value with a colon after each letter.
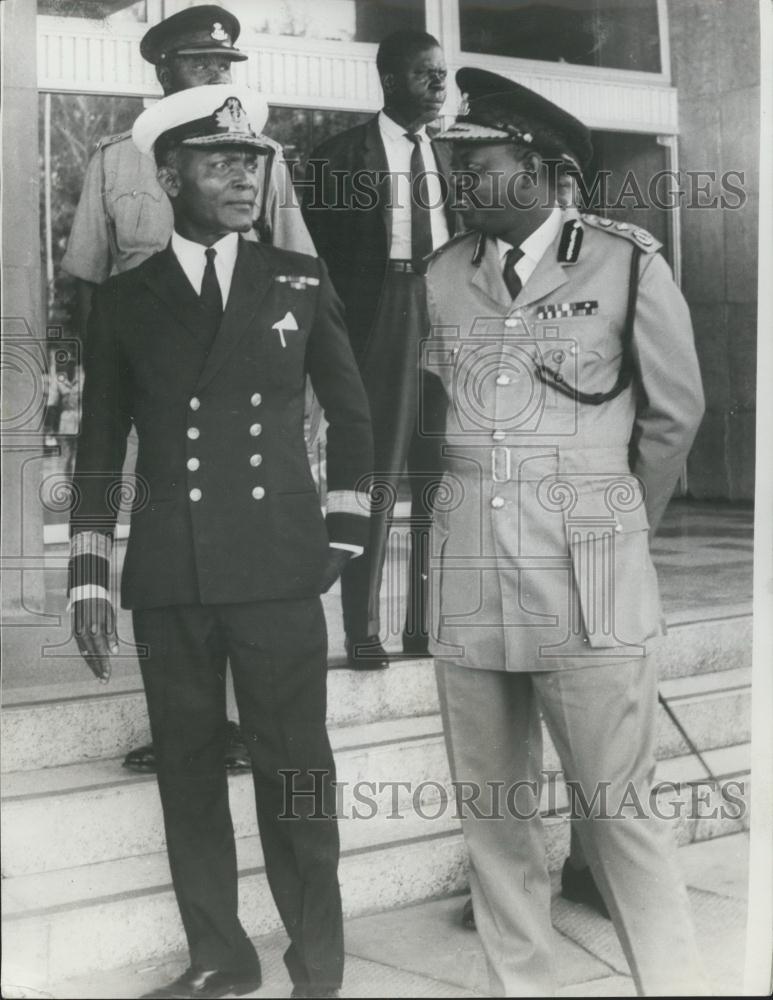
x: 87, y: 592
x: 356, y: 550
x: 89, y: 567
x: 348, y: 502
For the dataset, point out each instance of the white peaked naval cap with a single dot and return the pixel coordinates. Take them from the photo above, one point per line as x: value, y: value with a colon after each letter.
x: 222, y: 114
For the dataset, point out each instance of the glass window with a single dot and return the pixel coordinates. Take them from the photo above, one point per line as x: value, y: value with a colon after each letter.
x: 116, y: 10
x: 338, y: 20
x: 300, y: 130
x: 618, y: 34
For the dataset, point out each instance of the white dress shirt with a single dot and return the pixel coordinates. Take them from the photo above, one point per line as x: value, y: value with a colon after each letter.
x: 193, y: 261
x: 533, y: 247
x: 398, y: 152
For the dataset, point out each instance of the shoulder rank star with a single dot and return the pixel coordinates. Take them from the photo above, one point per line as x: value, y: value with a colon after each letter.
x: 285, y: 325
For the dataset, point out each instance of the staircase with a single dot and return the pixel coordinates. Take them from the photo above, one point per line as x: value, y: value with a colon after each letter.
x: 86, y: 881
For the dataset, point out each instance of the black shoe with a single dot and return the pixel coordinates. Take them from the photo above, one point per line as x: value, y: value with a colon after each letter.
x: 310, y: 991
x: 415, y: 645
x: 468, y: 916
x: 366, y: 654
x: 578, y: 886
x: 237, y: 756
x: 203, y: 985
x: 142, y: 760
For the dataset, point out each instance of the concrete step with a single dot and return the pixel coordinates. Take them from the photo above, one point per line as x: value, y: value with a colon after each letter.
x: 110, y: 813
x: 55, y: 724
x: 101, y: 916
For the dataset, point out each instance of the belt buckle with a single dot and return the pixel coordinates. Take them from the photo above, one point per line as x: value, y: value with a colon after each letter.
x: 498, y: 451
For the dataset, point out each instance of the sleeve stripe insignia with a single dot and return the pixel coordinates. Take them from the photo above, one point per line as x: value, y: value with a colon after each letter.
x: 559, y: 310
x: 348, y: 502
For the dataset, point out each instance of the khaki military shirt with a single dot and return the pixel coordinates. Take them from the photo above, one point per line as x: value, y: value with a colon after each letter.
x: 123, y: 216
x: 540, y: 536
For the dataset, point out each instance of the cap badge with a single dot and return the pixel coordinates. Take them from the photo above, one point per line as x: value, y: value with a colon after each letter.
x: 464, y: 106
x: 218, y: 33
x: 231, y: 116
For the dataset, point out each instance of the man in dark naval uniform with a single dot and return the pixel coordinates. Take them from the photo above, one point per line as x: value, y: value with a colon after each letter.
x: 123, y: 215
x: 205, y: 348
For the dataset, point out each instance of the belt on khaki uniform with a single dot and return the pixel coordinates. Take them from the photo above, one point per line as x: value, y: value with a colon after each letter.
x: 590, y: 461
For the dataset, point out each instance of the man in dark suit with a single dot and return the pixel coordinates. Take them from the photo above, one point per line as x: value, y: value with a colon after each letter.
x: 375, y: 206
x: 204, y: 348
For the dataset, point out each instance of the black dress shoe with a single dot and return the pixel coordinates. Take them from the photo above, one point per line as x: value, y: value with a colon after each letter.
x: 142, y: 760
x: 578, y: 886
x: 415, y: 645
x: 237, y: 756
x: 204, y: 985
x: 468, y: 916
x: 366, y: 654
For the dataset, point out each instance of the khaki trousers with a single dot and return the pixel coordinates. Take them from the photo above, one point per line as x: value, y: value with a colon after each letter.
x: 602, y: 722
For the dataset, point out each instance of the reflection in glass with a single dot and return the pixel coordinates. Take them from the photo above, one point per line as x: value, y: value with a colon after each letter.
x: 619, y: 34
x: 97, y: 10
x: 337, y: 20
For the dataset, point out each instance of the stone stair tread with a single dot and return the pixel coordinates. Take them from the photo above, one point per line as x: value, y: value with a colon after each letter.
x: 703, y: 684
x: 107, y: 772
x: 104, y: 772
x: 53, y: 891
x: 89, y: 884
x: 724, y: 762
x: 129, y: 682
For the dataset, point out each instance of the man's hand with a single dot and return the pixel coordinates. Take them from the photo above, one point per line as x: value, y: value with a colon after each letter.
x: 336, y: 560
x: 94, y: 621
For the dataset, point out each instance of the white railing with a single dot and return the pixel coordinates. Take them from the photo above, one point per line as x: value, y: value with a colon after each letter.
x: 87, y: 57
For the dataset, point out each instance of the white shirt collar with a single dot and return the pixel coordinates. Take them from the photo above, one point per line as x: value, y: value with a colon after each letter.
x: 535, y: 245
x: 393, y: 132
x: 192, y: 260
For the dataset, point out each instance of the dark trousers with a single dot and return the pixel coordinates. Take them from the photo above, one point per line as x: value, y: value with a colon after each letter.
x: 407, y: 410
x: 278, y: 656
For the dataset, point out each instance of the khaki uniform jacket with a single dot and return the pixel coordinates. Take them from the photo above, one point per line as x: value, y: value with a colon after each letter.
x: 124, y: 217
x: 541, y: 533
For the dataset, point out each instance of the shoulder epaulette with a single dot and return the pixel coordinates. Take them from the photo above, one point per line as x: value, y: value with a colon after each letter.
x: 447, y: 246
x: 644, y: 241
x: 108, y: 140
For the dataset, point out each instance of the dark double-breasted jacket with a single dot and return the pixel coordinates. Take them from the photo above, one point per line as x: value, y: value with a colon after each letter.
x: 226, y: 509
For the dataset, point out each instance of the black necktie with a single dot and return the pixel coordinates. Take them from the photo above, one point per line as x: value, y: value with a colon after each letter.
x: 211, y: 297
x: 421, y: 226
x: 513, y: 282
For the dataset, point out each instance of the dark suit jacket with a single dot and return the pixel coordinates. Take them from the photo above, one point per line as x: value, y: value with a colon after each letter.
x: 202, y: 419
x: 345, y: 198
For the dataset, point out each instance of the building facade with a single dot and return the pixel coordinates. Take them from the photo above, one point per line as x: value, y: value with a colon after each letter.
x: 671, y: 90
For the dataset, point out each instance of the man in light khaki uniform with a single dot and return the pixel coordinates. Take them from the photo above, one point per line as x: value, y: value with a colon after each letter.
x: 123, y: 216
x: 567, y: 355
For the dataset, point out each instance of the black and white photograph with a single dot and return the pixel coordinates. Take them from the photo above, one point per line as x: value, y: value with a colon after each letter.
x: 387, y: 498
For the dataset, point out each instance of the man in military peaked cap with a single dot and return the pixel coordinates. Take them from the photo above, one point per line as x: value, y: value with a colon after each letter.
x: 209, y: 341
x: 195, y: 31
x: 567, y: 357
x: 123, y: 215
